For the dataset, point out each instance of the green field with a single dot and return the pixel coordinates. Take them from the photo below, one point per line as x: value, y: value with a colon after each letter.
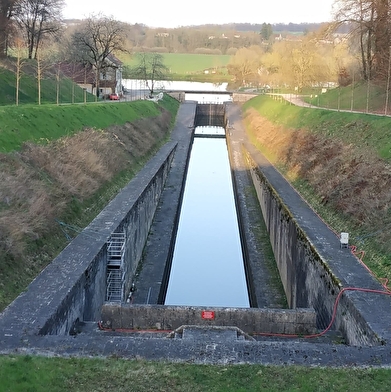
x: 184, y: 66
x: 195, y: 63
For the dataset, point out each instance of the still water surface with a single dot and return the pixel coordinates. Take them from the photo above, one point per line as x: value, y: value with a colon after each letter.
x: 174, y: 85
x: 207, y: 267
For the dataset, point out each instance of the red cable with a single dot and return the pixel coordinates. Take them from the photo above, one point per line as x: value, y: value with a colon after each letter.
x: 353, y: 249
x: 332, y: 318
x: 383, y: 281
x: 316, y: 335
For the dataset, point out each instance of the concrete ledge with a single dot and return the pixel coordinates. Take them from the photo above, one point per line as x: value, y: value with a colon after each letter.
x: 273, y: 321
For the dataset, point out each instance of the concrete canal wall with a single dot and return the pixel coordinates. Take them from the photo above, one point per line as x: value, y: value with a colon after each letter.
x: 73, y: 287
x: 313, y: 268
x: 159, y: 317
x: 312, y: 265
x: 308, y: 276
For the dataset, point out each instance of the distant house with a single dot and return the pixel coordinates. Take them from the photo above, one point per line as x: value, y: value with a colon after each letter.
x: 80, y: 74
x: 110, y: 78
x: 112, y: 75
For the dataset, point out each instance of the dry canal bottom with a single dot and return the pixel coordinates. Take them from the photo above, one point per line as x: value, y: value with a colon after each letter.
x: 110, y: 291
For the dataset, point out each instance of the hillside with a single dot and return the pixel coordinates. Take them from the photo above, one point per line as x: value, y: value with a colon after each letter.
x: 53, y: 90
x: 339, y: 163
x: 60, y: 166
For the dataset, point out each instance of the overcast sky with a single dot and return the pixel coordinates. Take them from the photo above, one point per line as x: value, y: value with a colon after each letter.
x: 174, y: 13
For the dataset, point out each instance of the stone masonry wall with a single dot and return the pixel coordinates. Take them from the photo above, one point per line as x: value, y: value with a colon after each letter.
x: 72, y: 288
x: 160, y: 317
x: 309, y: 280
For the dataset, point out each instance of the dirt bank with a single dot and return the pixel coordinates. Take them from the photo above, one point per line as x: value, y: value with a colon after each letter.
x: 42, y: 184
x: 353, y: 181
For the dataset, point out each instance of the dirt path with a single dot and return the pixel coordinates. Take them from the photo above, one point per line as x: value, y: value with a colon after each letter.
x: 297, y: 100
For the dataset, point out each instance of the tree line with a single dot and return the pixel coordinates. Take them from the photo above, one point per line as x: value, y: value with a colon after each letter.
x: 356, y: 45
x: 310, y: 61
x: 30, y: 20
x: 36, y: 21
x: 370, y: 34
x: 259, y: 56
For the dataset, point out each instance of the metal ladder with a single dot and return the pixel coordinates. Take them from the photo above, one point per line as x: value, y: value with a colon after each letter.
x: 114, y: 274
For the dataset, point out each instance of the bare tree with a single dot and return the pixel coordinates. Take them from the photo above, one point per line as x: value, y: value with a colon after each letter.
x: 370, y: 21
x: 7, y: 8
x: 41, y: 65
x: 20, y: 51
x: 37, y: 20
x: 95, y: 41
x: 150, y: 69
x: 310, y: 62
x: 382, y: 38
x: 245, y: 65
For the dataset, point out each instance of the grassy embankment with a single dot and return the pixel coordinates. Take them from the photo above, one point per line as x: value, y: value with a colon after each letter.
x: 41, y: 124
x: 68, y: 92
x: 358, y: 97
x: 63, y: 164
x: 191, y: 66
x: 339, y: 162
x: 20, y: 374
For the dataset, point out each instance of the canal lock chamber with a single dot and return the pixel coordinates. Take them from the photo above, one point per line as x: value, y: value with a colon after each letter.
x: 309, y: 265
x: 213, y: 214
x: 293, y: 280
x: 188, y: 279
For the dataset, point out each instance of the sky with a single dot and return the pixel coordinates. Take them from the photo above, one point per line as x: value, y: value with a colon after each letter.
x: 175, y: 13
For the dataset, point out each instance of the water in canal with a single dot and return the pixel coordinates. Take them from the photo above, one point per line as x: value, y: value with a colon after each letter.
x: 207, y: 266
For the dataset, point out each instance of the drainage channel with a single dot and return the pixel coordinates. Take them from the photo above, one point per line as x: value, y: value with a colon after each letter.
x: 207, y: 267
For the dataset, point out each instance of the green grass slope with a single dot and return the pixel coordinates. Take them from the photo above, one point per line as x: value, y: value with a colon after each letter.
x: 361, y: 96
x: 40, y: 124
x: 68, y: 92
x: 364, y: 130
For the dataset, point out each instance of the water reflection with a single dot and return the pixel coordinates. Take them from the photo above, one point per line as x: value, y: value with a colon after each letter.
x: 215, y: 99
x: 134, y: 84
x: 207, y: 267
